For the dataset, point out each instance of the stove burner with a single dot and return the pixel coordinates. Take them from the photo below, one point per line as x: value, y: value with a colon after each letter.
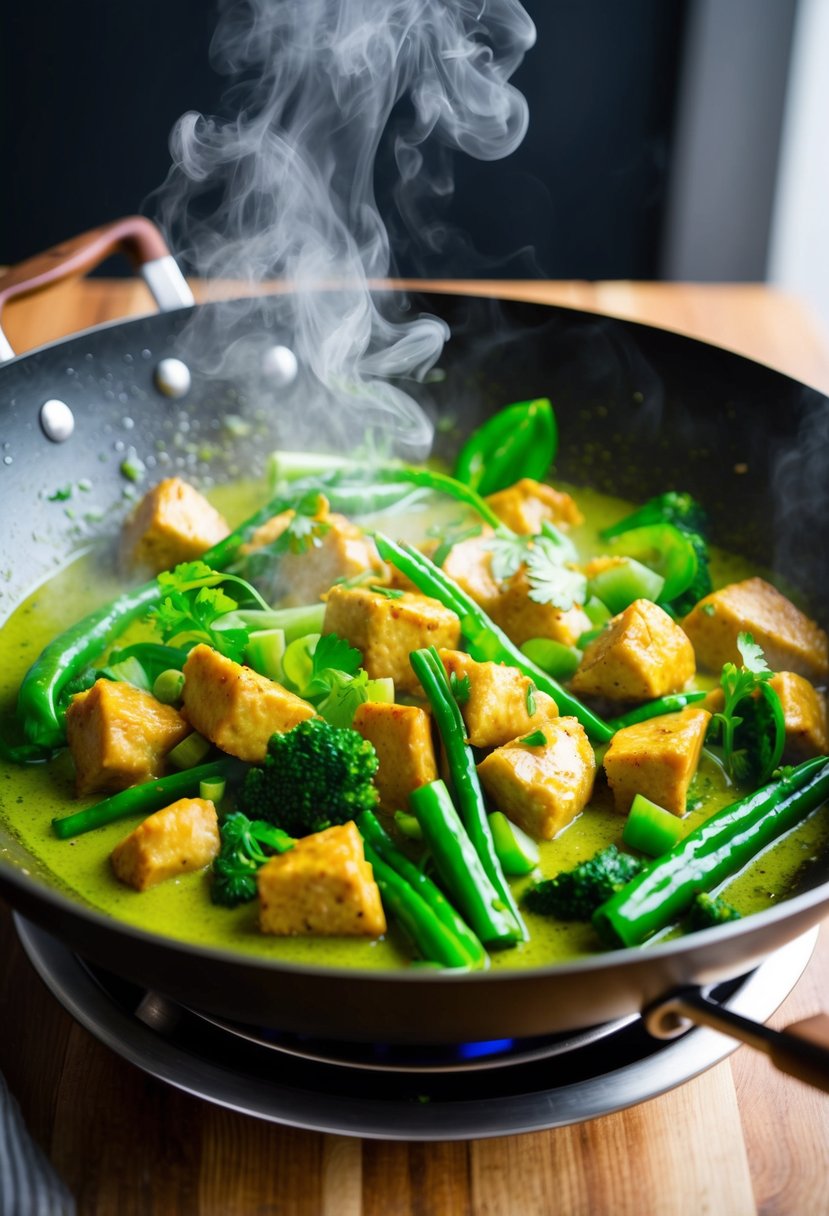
x: 400, y: 1093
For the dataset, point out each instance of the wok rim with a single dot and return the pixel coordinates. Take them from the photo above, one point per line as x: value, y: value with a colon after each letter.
x: 14, y: 877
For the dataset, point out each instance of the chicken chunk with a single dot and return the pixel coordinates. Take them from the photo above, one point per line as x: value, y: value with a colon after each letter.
x: 339, y: 551
x: 402, y: 737
x: 119, y: 735
x: 323, y: 886
x: 527, y: 504
x: 521, y: 617
x: 542, y: 788
x: 469, y: 564
x: 640, y: 654
x: 182, y: 837
x: 656, y: 758
x: 236, y: 708
x: 172, y: 523
x: 386, y: 630
x: 804, y: 711
x: 498, y: 706
x: 789, y: 639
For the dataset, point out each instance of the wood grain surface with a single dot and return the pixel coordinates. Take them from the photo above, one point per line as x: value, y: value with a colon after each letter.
x: 737, y: 1141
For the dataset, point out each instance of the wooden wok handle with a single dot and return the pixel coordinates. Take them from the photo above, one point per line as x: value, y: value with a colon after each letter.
x: 801, y: 1050
x: 133, y: 235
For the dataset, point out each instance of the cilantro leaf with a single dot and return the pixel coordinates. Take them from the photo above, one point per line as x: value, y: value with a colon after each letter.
x: 753, y: 738
x: 193, y: 604
x: 509, y: 554
x: 545, y: 556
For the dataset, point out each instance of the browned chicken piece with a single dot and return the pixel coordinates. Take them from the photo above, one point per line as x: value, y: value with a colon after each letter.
x: 236, y: 708
x: 542, y: 788
x: 527, y: 504
x: 175, y: 840
x: 172, y: 523
x: 804, y: 711
x: 640, y: 654
x: 323, y: 887
x: 119, y: 735
x: 522, y: 617
x: 499, y: 702
x: 402, y: 737
x: 789, y: 639
x: 469, y: 564
x: 340, y: 551
x: 386, y: 630
x: 657, y: 758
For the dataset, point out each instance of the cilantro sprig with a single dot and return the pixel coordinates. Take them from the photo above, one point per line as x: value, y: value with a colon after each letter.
x: 548, y: 558
x: 193, y: 603
x: 752, y: 739
x: 337, y: 683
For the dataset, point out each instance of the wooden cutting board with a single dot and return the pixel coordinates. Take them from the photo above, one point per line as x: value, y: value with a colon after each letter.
x: 739, y: 1140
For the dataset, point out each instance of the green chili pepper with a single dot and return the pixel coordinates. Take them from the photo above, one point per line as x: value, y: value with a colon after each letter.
x: 711, y: 853
x: 519, y: 441
x: 485, y: 641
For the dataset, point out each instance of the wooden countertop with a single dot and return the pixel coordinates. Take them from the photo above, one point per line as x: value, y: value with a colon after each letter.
x: 739, y: 1140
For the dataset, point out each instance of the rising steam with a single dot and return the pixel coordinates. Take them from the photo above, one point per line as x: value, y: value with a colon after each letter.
x: 284, y: 189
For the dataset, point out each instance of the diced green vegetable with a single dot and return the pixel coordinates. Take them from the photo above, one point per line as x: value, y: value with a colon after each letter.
x: 265, y: 652
x: 623, y: 582
x: 650, y: 828
x: 213, y: 789
x: 517, y: 852
x: 555, y: 658
x: 190, y: 752
x: 663, y: 548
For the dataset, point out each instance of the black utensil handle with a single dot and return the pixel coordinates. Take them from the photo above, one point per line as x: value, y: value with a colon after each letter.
x: 801, y: 1049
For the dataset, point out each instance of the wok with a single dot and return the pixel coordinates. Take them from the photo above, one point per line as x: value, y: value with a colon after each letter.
x: 640, y: 410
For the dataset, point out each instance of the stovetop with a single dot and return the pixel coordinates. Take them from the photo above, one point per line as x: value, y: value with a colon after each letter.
x: 387, y: 1092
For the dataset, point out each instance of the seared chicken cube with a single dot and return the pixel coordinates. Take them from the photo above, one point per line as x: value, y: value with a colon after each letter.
x: 804, y: 712
x: 500, y: 699
x: 639, y: 655
x: 402, y: 737
x: 339, y: 550
x: 119, y: 735
x: 656, y: 758
x: 542, y: 788
x: 182, y: 837
x: 469, y: 564
x: 236, y: 708
x: 789, y: 639
x: 386, y: 630
x: 322, y: 886
x: 522, y: 617
x: 527, y: 504
x: 172, y: 523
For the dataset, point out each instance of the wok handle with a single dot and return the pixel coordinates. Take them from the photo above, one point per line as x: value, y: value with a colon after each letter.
x: 133, y: 235
x: 801, y: 1049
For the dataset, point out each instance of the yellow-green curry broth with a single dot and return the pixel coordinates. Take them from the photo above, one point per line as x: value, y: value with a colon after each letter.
x: 31, y: 796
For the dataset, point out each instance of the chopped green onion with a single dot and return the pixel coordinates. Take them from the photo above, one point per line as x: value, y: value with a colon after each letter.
x: 213, y: 790
x: 517, y: 852
x: 190, y: 752
x: 407, y: 825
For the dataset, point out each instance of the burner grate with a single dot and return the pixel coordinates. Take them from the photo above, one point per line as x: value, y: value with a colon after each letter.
x: 325, y: 1088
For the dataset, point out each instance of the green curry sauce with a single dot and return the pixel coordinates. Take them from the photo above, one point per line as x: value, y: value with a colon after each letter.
x: 181, y: 908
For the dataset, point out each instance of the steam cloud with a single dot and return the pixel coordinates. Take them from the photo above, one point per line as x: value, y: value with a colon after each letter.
x: 285, y: 188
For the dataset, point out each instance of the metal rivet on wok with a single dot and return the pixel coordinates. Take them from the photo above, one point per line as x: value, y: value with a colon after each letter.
x: 57, y: 420
x: 279, y: 363
x: 172, y: 378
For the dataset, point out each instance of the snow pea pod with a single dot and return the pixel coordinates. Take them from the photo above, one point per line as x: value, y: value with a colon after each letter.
x: 519, y: 441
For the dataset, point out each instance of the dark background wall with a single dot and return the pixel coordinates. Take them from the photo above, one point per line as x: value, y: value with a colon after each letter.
x: 91, y: 90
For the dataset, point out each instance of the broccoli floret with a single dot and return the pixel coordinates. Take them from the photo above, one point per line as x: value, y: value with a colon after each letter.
x: 575, y: 894
x: 674, y: 507
x: 313, y: 776
x: 246, y: 845
x: 701, y: 584
x: 709, y: 910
